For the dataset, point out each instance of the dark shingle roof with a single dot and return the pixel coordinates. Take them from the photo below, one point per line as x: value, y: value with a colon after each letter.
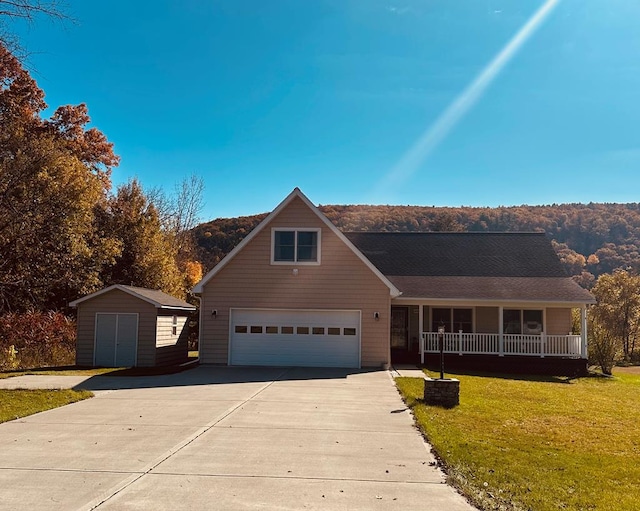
x: 471, y: 266
x: 526, y: 289
x: 159, y: 297
x: 470, y: 254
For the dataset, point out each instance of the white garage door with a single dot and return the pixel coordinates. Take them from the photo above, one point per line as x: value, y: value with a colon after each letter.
x: 295, y: 338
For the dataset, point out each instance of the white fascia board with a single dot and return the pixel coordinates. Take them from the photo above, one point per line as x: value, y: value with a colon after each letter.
x: 197, y: 289
x: 486, y: 303
x: 295, y: 193
x: 394, y: 291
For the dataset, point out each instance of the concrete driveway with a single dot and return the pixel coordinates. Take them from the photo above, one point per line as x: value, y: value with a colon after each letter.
x: 223, y: 438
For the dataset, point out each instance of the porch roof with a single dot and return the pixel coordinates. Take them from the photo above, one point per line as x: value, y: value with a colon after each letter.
x: 518, y: 289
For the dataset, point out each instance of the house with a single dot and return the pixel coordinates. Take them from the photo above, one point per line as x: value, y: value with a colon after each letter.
x: 125, y: 326
x: 298, y: 292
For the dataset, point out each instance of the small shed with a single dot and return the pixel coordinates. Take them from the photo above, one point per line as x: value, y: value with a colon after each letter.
x: 126, y: 326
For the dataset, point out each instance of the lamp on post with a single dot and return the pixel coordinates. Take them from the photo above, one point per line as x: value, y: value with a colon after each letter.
x: 441, y: 346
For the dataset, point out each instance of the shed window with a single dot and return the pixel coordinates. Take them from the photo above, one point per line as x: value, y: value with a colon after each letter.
x: 174, y: 325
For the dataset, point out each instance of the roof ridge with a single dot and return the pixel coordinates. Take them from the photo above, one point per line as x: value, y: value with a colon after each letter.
x: 455, y: 233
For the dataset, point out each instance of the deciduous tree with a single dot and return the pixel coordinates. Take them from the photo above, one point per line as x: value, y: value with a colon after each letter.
x: 617, y: 313
x: 147, y: 256
x: 54, y: 175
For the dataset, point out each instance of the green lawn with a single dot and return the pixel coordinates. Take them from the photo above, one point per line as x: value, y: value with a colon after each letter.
x: 20, y: 403
x: 540, y: 445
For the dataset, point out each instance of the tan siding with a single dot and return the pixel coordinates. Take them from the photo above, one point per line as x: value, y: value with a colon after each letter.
x: 172, y: 349
x: 487, y: 320
x: 164, y: 334
x: 341, y: 281
x: 558, y: 321
x: 116, y: 301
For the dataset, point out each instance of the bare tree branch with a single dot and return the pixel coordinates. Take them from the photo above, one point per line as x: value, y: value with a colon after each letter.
x: 29, y: 11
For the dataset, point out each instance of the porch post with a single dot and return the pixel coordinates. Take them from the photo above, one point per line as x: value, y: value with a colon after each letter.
x: 421, y: 332
x: 583, y: 331
x: 501, y: 331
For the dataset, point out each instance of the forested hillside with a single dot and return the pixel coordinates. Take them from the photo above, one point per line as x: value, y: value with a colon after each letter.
x: 591, y: 239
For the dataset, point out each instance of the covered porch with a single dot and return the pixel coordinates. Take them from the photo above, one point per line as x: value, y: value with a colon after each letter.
x: 542, y: 330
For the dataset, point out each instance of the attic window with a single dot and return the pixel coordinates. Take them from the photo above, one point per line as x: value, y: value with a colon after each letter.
x: 295, y: 246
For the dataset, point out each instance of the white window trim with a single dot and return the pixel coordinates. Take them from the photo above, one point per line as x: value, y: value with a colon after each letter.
x: 295, y: 240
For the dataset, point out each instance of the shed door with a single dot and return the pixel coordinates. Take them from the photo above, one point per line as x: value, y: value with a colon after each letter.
x: 327, y: 338
x: 116, y: 340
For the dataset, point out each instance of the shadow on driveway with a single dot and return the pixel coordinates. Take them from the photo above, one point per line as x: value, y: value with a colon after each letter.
x: 216, y: 375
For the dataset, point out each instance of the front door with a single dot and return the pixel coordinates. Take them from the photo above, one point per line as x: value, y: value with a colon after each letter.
x: 399, y: 327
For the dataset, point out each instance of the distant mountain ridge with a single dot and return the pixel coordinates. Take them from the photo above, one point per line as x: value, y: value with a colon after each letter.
x: 590, y: 239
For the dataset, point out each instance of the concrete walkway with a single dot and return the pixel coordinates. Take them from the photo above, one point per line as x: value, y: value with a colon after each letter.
x: 409, y: 371
x: 224, y: 439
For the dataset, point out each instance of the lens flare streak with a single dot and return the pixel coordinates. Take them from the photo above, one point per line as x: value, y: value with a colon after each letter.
x: 438, y: 131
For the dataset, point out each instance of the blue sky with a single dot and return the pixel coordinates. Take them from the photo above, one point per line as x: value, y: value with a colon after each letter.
x: 332, y: 96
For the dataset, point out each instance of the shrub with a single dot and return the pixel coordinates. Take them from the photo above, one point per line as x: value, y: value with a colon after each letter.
x: 36, y: 339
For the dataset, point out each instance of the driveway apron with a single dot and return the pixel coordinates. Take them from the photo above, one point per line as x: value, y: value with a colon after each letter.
x: 226, y: 439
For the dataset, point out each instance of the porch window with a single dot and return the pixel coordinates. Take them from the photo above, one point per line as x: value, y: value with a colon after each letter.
x: 453, y: 320
x: 297, y: 246
x: 525, y: 321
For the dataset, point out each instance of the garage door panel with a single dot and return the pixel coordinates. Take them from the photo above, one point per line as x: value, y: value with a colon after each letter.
x: 295, y: 338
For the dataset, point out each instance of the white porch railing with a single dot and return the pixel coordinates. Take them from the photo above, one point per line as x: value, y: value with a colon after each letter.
x: 540, y: 345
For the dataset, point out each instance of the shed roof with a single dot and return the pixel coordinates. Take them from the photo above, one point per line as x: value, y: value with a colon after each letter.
x: 157, y: 298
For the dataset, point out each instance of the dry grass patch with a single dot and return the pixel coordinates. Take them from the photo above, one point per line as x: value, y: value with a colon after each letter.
x: 540, y: 444
x: 61, y: 371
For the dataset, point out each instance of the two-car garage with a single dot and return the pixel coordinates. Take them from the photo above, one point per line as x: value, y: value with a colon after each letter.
x: 294, y: 337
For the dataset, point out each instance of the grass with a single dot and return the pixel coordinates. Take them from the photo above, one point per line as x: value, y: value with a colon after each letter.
x: 60, y: 371
x: 96, y: 371
x: 20, y: 403
x: 541, y: 444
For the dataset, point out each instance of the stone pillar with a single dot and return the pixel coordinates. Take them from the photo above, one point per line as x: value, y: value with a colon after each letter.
x: 445, y: 393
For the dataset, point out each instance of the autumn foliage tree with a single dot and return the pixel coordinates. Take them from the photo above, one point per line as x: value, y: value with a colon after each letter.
x: 147, y: 257
x: 616, y: 317
x: 54, y: 175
